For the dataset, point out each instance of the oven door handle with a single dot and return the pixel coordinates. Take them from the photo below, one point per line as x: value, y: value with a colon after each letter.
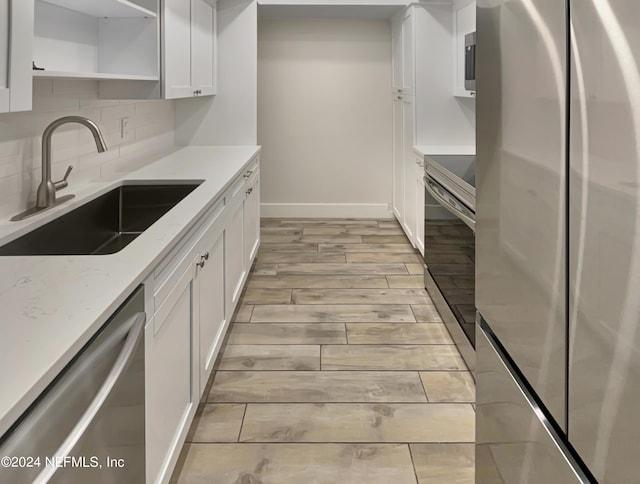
x: 429, y: 185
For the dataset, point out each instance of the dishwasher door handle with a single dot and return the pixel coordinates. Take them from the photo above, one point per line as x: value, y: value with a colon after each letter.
x: 134, y: 330
x: 429, y: 185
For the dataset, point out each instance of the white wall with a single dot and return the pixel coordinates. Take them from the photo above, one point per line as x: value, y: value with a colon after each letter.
x: 229, y: 118
x: 325, y: 117
x: 151, y: 131
x: 441, y: 118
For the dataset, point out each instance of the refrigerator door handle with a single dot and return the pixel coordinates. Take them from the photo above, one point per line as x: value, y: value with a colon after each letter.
x: 431, y: 187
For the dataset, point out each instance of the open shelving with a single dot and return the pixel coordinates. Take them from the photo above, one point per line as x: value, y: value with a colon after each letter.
x: 104, y: 8
x: 97, y: 39
x: 91, y: 75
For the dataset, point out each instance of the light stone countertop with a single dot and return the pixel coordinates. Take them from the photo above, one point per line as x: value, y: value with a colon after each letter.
x: 50, y: 306
x: 426, y: 150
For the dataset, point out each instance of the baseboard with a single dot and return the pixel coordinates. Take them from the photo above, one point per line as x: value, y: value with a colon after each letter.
x: 325, y: 210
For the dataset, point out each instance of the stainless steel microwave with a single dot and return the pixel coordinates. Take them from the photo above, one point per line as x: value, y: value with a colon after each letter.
x: 470, y: 61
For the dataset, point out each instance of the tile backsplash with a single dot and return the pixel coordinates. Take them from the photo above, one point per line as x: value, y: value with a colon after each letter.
x: 151, y: 131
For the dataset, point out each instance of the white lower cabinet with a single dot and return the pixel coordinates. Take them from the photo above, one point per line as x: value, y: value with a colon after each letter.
x: 398, y: 164
x: 419, y: 188
x: 194, y: 292
x: 404, y: 199
x: 252, y: 220
x: 235, y: 265
x: 171, y: 400
x: 409, y: 222
x: 212, y: 320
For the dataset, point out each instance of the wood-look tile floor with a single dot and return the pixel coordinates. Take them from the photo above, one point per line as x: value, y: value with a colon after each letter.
x: 337, y: 369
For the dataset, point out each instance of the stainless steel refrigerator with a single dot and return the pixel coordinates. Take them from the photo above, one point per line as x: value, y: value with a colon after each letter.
x: 558, y: 241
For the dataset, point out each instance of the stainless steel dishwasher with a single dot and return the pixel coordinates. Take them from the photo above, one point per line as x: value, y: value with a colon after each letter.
x: 88, y: 425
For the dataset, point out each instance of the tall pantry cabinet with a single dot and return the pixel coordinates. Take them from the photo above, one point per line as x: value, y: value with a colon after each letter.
x: 404, y: 132
x: 427, y: 110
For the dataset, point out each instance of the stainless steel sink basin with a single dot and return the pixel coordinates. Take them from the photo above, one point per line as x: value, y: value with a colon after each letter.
x: 105, y: 225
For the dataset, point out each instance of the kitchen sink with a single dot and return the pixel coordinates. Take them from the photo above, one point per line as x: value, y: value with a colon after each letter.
x: 102, y: 226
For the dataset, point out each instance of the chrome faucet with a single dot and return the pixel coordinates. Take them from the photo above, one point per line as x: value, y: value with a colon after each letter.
x: 46, y: 194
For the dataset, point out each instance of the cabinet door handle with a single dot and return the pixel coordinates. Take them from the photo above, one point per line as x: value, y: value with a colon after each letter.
x: 206, y: 256
x: 399, y: 90
x: 249, y: 191
x: 201, y: 262
x: 399, y: 98
x: 248, y: 174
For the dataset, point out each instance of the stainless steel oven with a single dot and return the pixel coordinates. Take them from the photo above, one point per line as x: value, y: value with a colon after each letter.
x: 450, y: 245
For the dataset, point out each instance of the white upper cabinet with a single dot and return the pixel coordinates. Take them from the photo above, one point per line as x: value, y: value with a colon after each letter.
x: 178, y: 78
x: 408, y: 73
x: 189, y: 46
x: 419, y: 188
x: 402, y: 40
x: 396, y: 53
x: 96, y: 39
x: 16, y: 34
x: 203, y: 47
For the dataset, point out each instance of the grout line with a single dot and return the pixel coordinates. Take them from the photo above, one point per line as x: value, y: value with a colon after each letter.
x: 413, y: 464
x: 413, y: 312
x: 246, y: 405
x: 423, y: 387
x: 353, y: 370
x: 344, y: 442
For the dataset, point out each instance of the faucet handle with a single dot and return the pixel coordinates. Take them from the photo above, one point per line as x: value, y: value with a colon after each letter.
x: 63, y: 183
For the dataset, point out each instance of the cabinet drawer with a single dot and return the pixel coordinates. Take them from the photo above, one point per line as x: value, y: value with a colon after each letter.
x: 236, y: 190
x: 253, y: 168
x: 170, y: 269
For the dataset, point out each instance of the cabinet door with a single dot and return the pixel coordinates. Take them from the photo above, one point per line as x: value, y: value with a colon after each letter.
x: 409, y: 221
x: 16, y: 40
x: 396, y: 53
x: 407, y: 53
x: 212, y: 319
x: 419, y: 184
x: 398, y: 166
x: 178, y: 81
x: 203, y: 46
x: 252, y: 221
x: 5, y: 103
x: 170, y: 395
x: 234, y: 256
